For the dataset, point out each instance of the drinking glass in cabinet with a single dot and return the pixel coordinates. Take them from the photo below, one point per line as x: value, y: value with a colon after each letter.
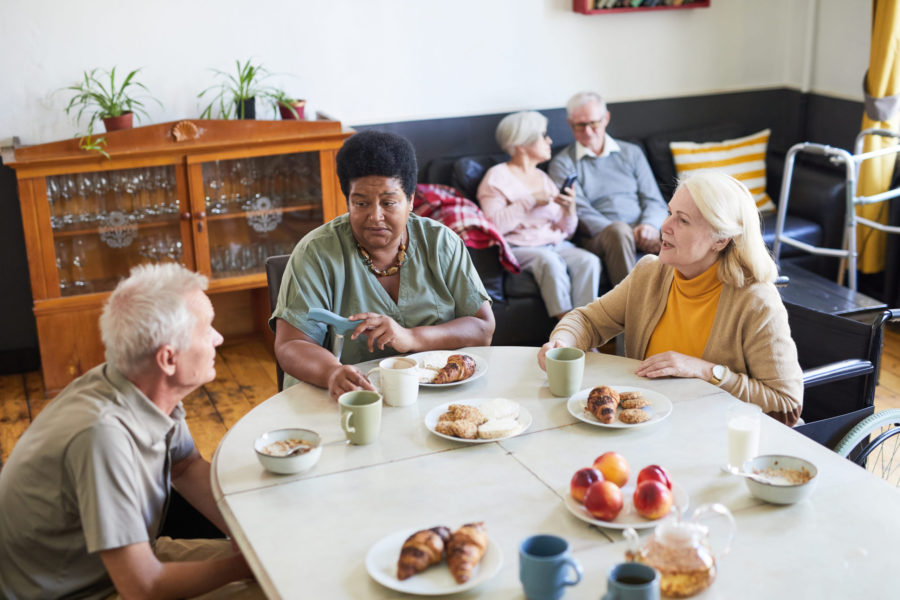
x: 63, y: 258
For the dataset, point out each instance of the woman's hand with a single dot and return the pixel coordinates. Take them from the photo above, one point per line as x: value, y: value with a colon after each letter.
x: 383, y: 331
x: 566, y: 199
x: 347, y: 378
x: 542, y: 353
x: 674, y: 364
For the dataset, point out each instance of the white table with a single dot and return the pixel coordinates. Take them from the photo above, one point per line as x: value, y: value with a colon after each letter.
x: 307, y: 535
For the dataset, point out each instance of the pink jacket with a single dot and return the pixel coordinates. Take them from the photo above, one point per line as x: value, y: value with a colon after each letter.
x: 508, y: 203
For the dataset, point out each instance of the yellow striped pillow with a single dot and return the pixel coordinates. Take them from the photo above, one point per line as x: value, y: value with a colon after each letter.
x: 742, y: 158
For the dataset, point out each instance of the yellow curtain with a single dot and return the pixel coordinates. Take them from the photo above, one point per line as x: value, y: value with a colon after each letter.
x: 875, y: 174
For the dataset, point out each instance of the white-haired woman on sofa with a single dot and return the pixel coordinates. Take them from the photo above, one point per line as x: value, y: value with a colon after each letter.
x: 706, y: 307
x: 537, y: 218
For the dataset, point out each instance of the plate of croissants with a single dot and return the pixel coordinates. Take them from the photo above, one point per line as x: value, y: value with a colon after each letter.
x: 478, y: 421
x: 443, y: 368
x: 434, y: 561
x: 619, y: 407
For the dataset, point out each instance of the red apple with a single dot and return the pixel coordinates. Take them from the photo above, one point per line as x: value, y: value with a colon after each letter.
x: 603, y: 500
x: 582, y: 480
x: 652, y: 499
x: 614, y: 467
x: 654, y: 473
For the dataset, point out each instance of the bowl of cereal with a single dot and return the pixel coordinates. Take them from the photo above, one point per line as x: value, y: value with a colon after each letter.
x: 288, y: 451
x: 782, y: 479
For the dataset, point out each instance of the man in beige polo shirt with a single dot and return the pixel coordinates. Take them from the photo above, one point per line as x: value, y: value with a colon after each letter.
x: 84, y: 492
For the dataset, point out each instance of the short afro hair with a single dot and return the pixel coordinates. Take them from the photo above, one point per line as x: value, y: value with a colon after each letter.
x: 372, y: 152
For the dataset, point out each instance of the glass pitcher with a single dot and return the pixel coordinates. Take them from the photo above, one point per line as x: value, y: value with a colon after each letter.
x: 680, y: 549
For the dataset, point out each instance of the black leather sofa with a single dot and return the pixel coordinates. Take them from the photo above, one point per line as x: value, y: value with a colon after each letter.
x: 815, y: 216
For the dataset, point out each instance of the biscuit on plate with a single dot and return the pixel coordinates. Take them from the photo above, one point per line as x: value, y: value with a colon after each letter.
x: 499, y: 408
x: 627, y: 395
x: 466, y: 430
x: 498, y: 428
x: 632, y: 416
x: 635, y: 402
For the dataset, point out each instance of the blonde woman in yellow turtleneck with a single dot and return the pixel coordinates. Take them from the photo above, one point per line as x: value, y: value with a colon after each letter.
x: 706, y: 307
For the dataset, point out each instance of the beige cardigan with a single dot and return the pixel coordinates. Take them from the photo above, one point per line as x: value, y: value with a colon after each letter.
x: 750, y: 335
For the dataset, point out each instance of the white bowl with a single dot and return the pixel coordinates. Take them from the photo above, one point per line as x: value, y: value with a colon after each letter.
x: 781, y: 491
x: 288, y: 465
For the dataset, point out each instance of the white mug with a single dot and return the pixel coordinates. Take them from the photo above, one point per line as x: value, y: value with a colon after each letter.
x: 398, y: 380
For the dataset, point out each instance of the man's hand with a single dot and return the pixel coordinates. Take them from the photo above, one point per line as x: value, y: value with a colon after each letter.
x: 347, y: 378
x: 646, y: 238
x: 674, y: 364
x: 383, y: 331
x: 542, y: 353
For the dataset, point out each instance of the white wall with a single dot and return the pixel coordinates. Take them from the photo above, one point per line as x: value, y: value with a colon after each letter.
x: 371, y: 61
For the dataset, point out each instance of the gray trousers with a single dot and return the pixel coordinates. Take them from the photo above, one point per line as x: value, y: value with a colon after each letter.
x: 567, y: 276
x: 615, y: 247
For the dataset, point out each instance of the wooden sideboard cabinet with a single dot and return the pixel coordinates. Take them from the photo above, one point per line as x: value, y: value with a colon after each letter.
x: 215, y: 196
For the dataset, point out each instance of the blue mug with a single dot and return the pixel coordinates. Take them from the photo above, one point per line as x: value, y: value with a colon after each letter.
x: 632, y: 581
x: 544, y: 562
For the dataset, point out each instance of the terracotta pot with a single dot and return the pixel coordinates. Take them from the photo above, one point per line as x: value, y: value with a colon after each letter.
x: 286, y: 113
x: 123, y: 121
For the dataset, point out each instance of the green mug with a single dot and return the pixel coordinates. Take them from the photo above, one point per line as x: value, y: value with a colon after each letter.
x: 565, y: 369
x: 361, y: 416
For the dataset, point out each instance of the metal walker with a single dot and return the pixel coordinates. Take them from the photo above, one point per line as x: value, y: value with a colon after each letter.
x: 851, y: 162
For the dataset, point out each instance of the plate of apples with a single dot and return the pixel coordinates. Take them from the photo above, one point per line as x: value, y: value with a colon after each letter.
x: 603, y: 495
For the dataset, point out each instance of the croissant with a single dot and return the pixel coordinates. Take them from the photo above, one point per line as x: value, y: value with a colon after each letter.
x: 421, y: 550
x: 602, y: 402
x: 465, y: 550
x: 458, y: 367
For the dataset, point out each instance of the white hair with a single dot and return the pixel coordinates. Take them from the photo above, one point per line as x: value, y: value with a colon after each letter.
x: 520, y: 129
x: 582, y: 98
x: 729, y: 208
x: 146, y: 311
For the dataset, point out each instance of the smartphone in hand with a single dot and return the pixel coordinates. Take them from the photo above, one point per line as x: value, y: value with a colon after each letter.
x: 568, y: 182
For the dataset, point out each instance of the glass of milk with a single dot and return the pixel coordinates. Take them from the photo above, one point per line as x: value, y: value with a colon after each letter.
x: 743, y: 433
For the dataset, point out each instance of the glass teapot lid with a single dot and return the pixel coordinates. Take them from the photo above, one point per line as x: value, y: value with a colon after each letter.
x: 708, y: 521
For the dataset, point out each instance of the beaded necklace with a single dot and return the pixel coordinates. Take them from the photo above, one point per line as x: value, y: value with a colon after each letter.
x: 401, y: 258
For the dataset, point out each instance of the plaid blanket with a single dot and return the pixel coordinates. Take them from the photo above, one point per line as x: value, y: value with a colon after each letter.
x: 447, y: 205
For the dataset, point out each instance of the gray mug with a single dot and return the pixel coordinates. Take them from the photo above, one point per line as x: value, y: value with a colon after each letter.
x: 544, y: 562
x: 632, y: 581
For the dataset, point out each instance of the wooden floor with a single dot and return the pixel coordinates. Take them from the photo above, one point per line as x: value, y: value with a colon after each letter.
x: 246, y: 376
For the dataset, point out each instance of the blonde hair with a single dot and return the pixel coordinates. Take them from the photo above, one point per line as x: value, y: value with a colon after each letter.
x: 146, y: 311
x: 520, y: 129
x: 730, y: 210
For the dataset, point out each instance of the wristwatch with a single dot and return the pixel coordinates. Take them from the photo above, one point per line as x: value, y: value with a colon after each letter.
x: 718, y: 374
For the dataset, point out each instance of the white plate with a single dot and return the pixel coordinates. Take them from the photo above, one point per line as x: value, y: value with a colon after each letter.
x: 434, y: 414
x: 628, y: 517
x: 381, y: 563
x: 660, y: 407
x: 437, y: 359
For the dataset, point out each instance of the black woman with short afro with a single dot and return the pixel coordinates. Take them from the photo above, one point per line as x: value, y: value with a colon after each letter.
x: 407, y: 282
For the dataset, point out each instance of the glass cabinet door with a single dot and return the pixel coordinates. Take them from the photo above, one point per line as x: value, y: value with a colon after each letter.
x: 259, y: 207
x: 105, y: 222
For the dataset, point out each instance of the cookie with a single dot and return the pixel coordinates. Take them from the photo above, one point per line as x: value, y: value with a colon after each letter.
x: 467, y: 430
x: 635, y: 402
x: 632, y: 416
x: 629, y: 395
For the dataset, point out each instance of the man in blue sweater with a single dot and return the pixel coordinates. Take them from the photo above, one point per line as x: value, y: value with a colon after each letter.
x: 619, y: 206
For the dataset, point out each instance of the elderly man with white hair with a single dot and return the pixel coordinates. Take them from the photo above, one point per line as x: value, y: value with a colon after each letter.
x: 619, y: 206
x: 85, y: 489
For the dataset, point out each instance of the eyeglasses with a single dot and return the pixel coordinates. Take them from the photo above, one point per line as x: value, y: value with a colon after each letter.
x: 591, y: 124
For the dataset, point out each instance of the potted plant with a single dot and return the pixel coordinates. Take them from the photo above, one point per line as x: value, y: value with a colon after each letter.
x: 288, y: 106
x: 238, y: 92
x: 113, y: 103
